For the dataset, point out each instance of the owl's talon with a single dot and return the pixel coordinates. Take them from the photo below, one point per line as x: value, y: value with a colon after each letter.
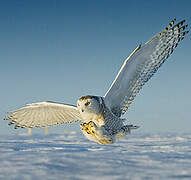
x: 91, y: 124
x: 89, y: 128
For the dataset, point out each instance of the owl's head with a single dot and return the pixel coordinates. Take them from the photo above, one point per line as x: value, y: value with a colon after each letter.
x: 89, y: 105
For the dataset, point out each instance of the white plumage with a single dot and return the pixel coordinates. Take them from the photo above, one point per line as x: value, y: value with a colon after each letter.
x: 44, y: 114
x: 101, y: 116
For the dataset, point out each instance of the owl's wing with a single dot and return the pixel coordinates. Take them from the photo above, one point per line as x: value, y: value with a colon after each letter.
x: 141, y: 65
x: 43, y: 114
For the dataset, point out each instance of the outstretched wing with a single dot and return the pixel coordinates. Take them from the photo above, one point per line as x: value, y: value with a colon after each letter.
x: 43, y: 114
x: 141, y: 65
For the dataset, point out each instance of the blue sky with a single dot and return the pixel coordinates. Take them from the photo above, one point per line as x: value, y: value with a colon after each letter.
x: 60, y: 50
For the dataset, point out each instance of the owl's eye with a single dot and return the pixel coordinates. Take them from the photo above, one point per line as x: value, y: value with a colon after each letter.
x: 87, y: 103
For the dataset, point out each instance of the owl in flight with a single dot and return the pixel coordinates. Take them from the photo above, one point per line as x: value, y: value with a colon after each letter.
x: 101, y: 116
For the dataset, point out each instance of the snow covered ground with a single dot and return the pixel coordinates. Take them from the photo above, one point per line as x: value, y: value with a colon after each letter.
x: 71, y: 156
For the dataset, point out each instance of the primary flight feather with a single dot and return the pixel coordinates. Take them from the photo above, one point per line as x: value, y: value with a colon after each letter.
x: 101, y: 116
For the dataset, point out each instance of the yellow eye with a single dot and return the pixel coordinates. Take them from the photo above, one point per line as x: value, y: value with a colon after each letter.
x: 87, y: 103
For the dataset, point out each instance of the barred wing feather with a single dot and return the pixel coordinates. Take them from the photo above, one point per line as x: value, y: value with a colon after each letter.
x: 139, y: 67
x: 43, y: 114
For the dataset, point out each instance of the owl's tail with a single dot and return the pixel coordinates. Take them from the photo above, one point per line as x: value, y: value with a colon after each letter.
x: 130, y: 127
x: 125, y: 130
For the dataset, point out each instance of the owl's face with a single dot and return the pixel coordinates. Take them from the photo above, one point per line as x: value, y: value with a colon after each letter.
x: 89, y: 105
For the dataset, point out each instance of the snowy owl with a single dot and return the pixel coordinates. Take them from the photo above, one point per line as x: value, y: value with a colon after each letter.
x: 101, y: 116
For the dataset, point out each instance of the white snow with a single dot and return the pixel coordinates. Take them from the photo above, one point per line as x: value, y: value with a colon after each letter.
x: 71, y: 156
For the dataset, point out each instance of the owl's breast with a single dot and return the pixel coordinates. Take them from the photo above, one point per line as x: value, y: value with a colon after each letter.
x: 98, y: 119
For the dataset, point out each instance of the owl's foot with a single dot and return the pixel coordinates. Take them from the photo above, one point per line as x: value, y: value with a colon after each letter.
x: 89, y: 127
x: 97, y: 134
